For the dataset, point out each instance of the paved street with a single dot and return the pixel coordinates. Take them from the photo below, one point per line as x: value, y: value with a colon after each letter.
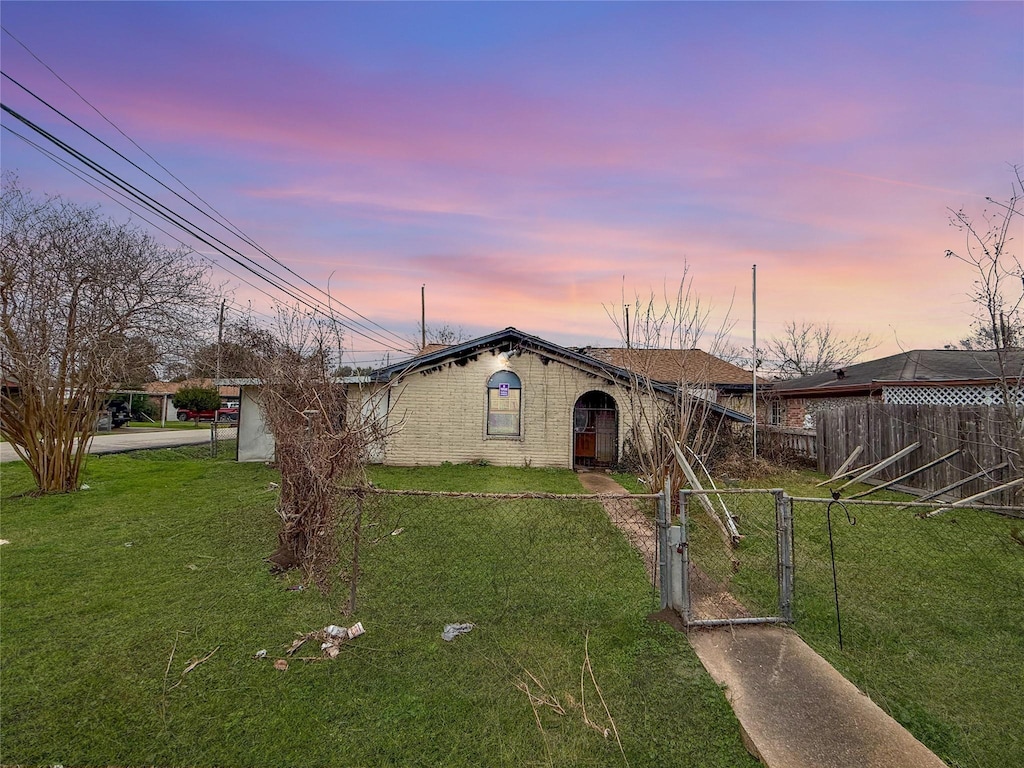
x: 134, y: 439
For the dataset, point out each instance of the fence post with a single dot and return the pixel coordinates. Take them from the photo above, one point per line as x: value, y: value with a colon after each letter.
x: 784, y: 544
x: 664, y: 578
x: 684, y: 558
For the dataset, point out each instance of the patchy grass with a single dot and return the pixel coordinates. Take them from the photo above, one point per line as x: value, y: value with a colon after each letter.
x: 109, y: 593
x: 632, y: 483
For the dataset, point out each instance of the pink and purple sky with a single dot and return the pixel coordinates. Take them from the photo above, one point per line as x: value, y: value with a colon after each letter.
x: 529, y: 162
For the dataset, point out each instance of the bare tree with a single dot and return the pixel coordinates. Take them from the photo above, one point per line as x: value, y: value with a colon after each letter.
x: 805, y: 348
x: 237, y: 356
x: 998, y: 287
x: 683, y: 415
x: 445, y: 333
x: 85, y: 304
x: 998, y: 297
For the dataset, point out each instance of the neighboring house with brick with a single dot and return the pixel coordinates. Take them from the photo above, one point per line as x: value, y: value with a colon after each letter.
x: 918, y: 377
x: 507, y: 398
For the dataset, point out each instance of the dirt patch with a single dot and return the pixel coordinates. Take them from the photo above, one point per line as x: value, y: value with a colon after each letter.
x: 712, y: 600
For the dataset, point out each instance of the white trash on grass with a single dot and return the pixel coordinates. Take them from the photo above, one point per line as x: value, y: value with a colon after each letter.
x: 451, y: 631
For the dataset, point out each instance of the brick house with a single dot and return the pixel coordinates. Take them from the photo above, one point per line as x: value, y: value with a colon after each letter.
x: 917, y: 377
x: 507, y: 398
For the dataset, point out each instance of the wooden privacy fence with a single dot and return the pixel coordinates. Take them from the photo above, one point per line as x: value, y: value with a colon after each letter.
x: 959, y: 442
x: 800, y: 441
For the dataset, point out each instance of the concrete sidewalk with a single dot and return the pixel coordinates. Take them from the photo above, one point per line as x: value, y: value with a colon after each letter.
x: 130, y: 439
x: 796, y: 710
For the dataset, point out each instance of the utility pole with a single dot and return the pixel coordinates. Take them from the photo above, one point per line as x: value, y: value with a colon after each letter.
x: 423, y: 317
x: 216, y: 378
x: 754, y: 366
x: 220, y: 337
x: 626, y: 307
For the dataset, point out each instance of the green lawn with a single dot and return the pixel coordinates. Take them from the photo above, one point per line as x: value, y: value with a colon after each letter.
x: 932, y: 614
x: 164, y: 554
x: 932, y: 610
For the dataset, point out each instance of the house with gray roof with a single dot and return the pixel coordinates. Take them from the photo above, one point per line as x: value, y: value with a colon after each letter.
x: 917, y: 377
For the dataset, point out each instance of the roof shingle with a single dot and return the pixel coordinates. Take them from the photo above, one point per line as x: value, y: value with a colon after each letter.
x: 673, y: 365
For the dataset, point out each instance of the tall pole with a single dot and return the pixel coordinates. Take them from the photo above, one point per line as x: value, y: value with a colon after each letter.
x: 754, y: 366
x: 423, y: 317
x: 216, y: 378
x: 220, y: 339
x: 626, y: 307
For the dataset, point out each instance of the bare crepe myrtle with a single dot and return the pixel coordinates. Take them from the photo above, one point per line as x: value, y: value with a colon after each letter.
x: 86, y: 304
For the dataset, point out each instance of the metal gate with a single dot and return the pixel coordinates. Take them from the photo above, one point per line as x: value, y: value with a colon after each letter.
x: 730, y: 558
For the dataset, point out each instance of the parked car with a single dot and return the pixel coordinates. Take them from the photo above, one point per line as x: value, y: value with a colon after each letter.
x: 222, y: 415
x: 119, y: 414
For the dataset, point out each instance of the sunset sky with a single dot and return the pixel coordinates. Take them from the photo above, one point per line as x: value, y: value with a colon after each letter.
x: 529, y: 163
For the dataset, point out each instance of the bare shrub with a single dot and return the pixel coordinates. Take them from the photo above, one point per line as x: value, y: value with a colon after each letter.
x: 322, y: 440
x: 684, y: 410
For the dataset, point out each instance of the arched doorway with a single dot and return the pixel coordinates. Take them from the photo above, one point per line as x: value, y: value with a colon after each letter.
x: 595, y: 426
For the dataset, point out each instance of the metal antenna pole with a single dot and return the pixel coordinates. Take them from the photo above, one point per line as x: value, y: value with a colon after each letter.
x: 754, y: 366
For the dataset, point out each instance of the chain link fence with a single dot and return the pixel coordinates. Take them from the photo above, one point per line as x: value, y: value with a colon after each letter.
x: 904, y: 569
x: 919, y: 605
x: 504, y: 559
x: 924, y: 612
x: 733, y: 568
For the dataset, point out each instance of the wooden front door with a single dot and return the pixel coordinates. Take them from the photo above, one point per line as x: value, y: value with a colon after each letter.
x: 595, y: 430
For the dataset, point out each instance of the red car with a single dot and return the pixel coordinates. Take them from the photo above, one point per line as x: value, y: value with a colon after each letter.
x: 221, y: 415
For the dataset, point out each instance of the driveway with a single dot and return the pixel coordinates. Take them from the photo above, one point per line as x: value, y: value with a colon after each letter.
x: 135, y: 439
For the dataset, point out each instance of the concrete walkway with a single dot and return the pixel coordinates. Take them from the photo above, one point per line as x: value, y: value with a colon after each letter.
x: 135, y: 439
x: 795, y: 709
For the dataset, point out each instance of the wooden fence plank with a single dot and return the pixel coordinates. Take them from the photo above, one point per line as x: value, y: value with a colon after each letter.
x: 882, y: 465
x: 978, y: 432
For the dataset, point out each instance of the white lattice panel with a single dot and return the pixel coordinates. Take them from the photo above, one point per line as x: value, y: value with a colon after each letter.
x: 987, y: 394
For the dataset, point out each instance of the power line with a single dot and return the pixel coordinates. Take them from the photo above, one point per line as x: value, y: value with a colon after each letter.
x: 110, y: 192
x: 205, y: 237
x: 113, y: 125
x: 225, y: 223
x: 82, y: 158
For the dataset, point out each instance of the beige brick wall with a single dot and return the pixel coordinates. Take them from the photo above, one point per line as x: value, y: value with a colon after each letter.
x: 441, y: 416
